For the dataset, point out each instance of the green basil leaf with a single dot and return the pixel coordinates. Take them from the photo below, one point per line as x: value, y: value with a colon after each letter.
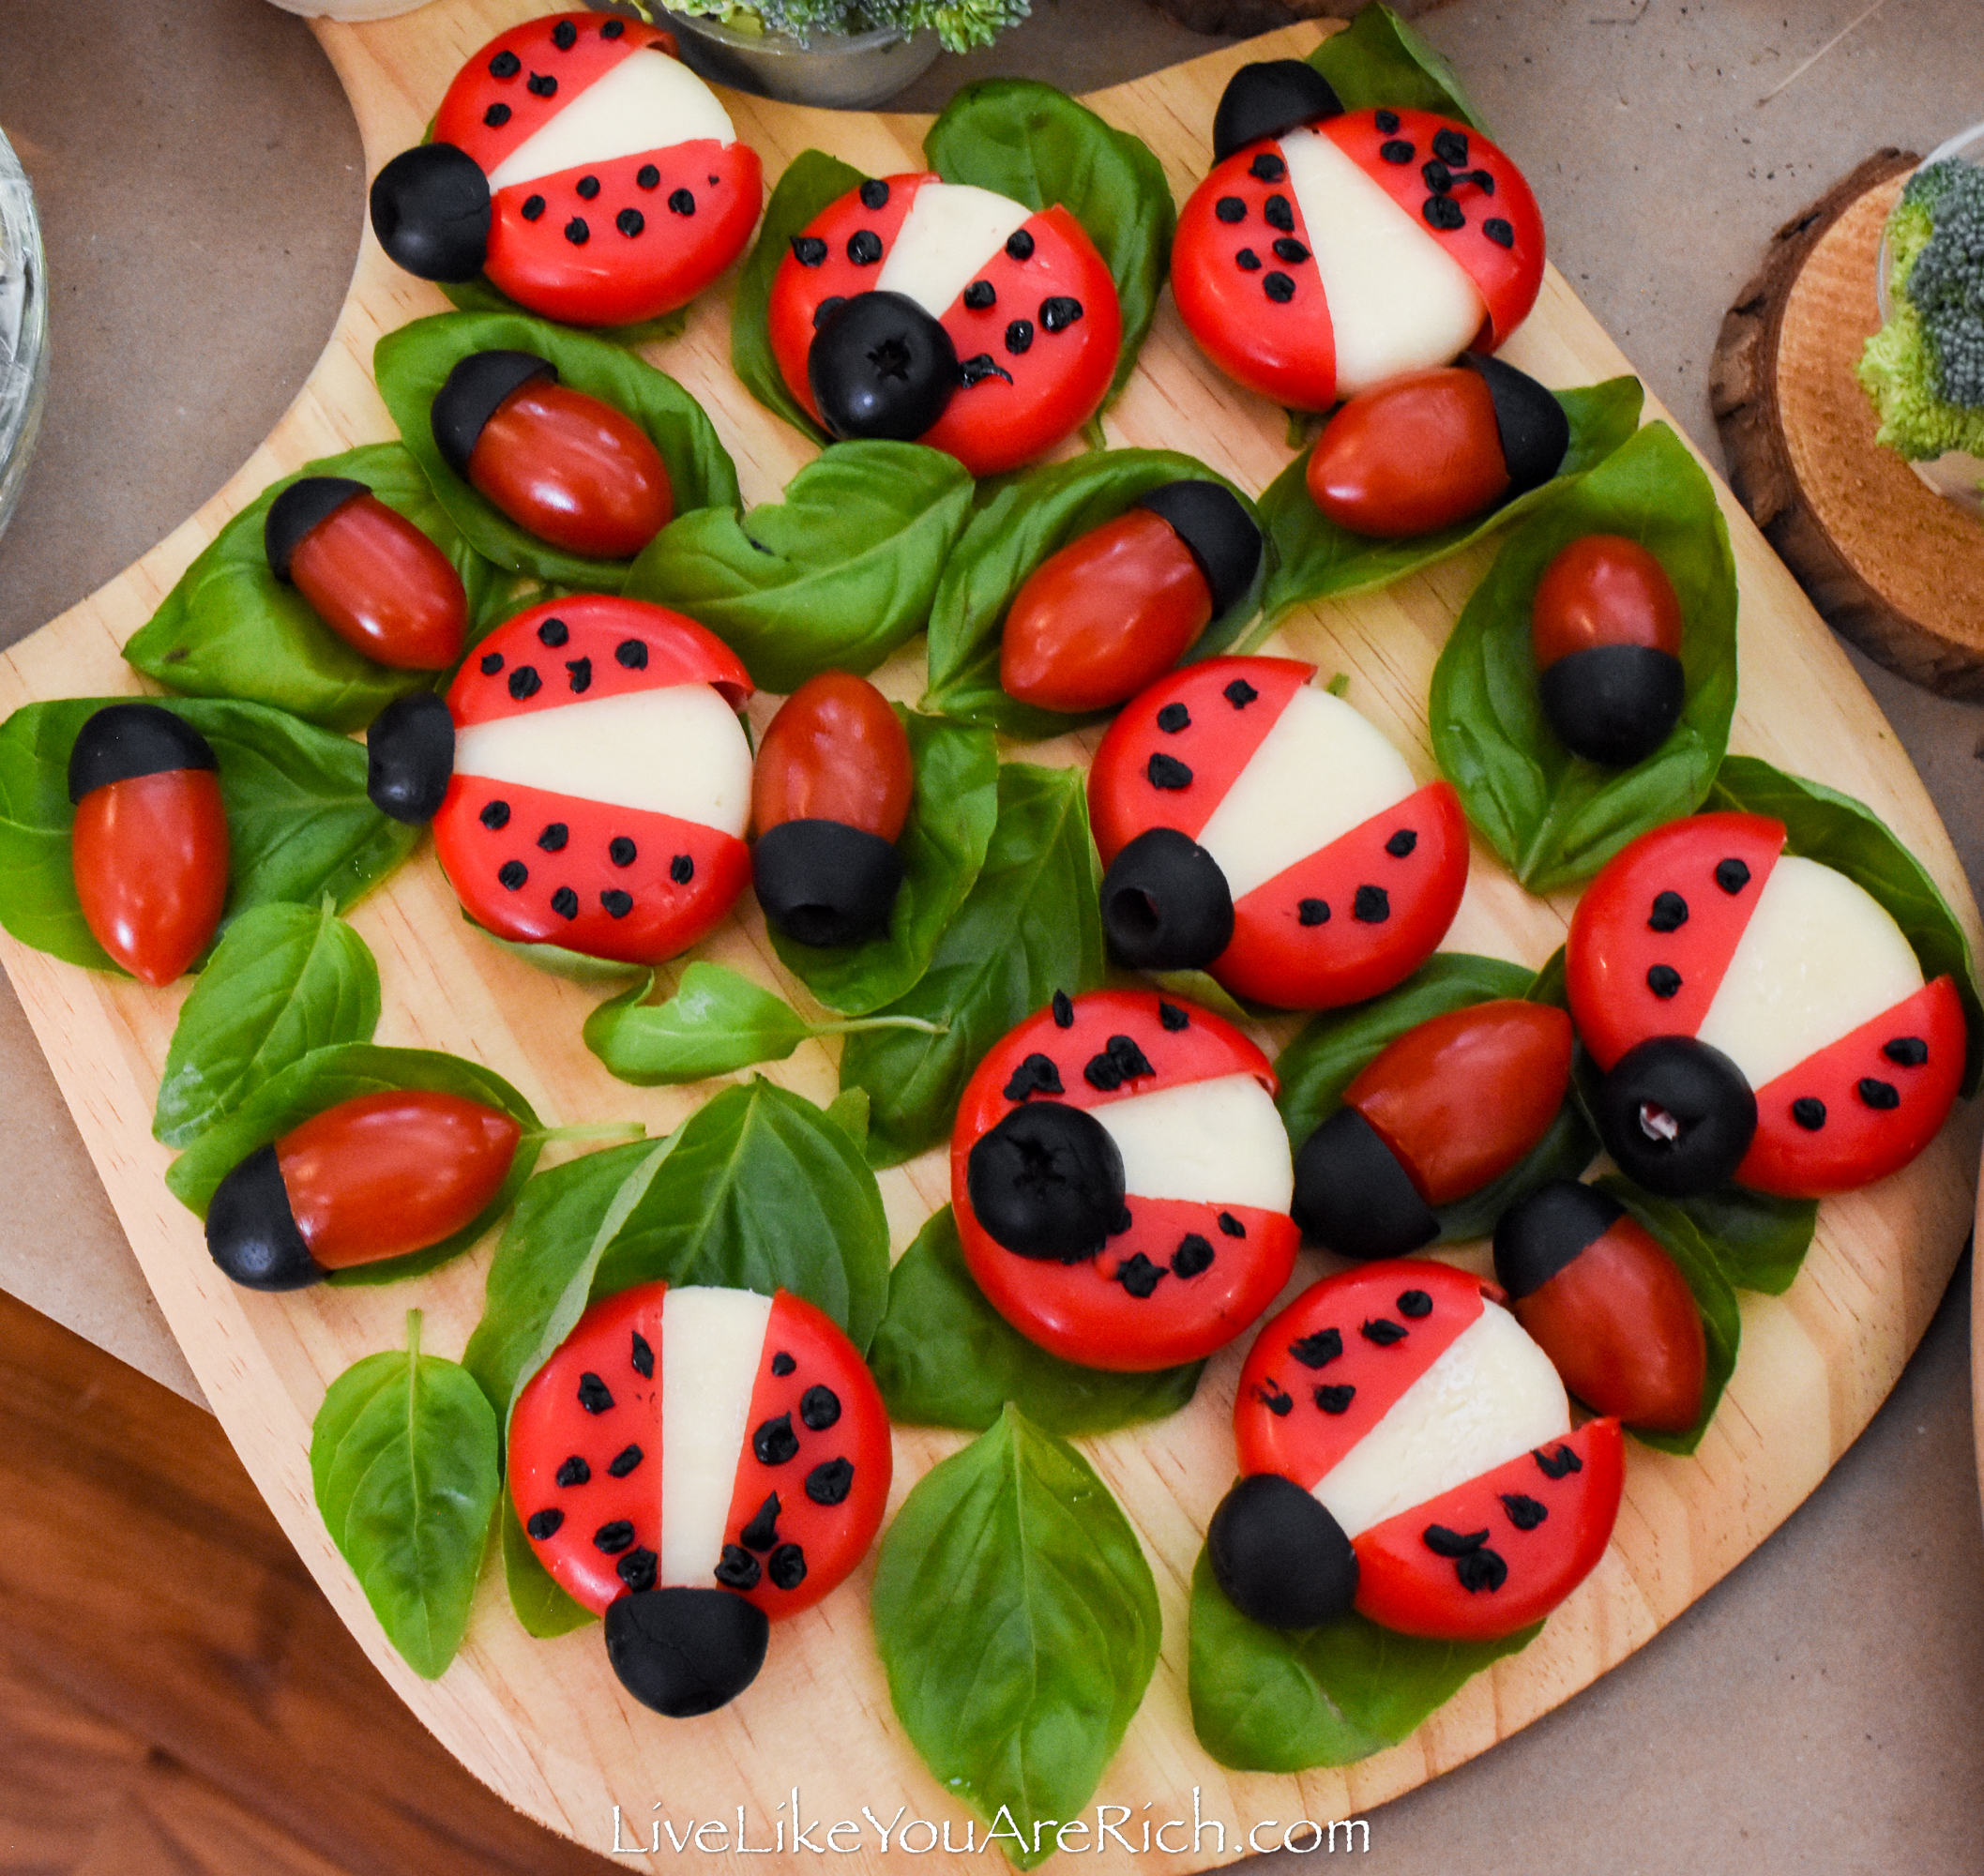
x: 1758, y: 1240
x: 1018, y: 1622
x: 848, y: 1111
x: 1272, y: 1700
x: 542, y: 1607
x: 343, y: 1072
x: 1027, y: 141
x: 230, y: 629
x: 944, y: 1357
x: 402, y: 1458
x: 1316, y: 559
x: 1822, y: 824
x: 715, y: 1021
x: 298, y: 823
x: 811, y: 182
x: 412, y: 363
x: 1031, y: 926
x: 833, y: 578
x: 762, y: 1191
x: 952, y: 808
x: 1379, y: 59
x: 1032, y: 517
x: 1553, y: 817
x: 482, y: 295
x: 1721, y: 1321
x: 283, y: 981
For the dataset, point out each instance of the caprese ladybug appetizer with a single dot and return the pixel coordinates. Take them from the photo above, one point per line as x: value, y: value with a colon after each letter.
x: 1434, y: 448
x: 1606, y: 630
x: 1118, y: 607
x: 694, y: 1463
x: 1331, y: 249
x: 149, y: 846
x: 1600, y: 1296
x: 947, y: 314
x: 1256, y: 826
x: 1405, y: 1449
x: 581, y: 165
x: 377, y: 1176
x: 1444, y: 1110
x: 1121, y: 1181
x: 369, y: 573
x: 829, y: 794
x: 587, y: 776
x: 1757, y: 1015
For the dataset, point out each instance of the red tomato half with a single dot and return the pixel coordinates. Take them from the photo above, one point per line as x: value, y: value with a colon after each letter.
x: 1419, y: 453
x: 835, y: 752
x: 382, y: 586
x: 1603, y: 590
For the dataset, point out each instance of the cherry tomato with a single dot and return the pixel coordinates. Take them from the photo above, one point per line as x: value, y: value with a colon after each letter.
x: 1417, y: 453
x: 149, y: 849
x: 572, y: 470
x: 1603, y: 590
x: 835, y: 752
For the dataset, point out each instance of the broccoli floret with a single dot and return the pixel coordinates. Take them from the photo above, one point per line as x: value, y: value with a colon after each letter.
x: 958, y: 25
x: 1925, y: 367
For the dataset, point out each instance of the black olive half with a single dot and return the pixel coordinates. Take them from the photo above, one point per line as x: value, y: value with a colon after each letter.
x: 1533, y: 427
x: 1539, y: 1235
x: 1613, y: 705
x: 430, y: 211
x: 300, y: 508
x: 1353, y: 1197
x: 251, y: 1231
x: 1047, y: 1183
x: 1267, y: 97
x: 1166, y: 905
x: 123, y: 741
x: 1218, y: 533
x: 1279, y: 1556
x: 1676, y: 1114
x: 825, y: 883
x: 409, y: 757
x: 472, y: 394
x: 683, y: 1650
x: 881, y: 366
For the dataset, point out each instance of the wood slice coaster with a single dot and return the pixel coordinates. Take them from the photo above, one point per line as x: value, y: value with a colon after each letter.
x: 1887, y: 561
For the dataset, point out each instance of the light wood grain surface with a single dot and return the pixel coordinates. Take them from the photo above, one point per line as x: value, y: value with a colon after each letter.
x: 544, y: 1723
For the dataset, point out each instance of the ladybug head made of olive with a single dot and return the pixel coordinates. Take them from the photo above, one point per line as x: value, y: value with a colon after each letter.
x: 1267, y: 97
x: 1676, y: 1114
x: 880, y: 366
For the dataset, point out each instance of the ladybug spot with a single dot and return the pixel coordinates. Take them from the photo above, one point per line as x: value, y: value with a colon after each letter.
x: 783, y: 1363
x: 1906, y: 1051
x: 1173, y: 718
x: 1444, y: 1542
x: 1450, y: 146
x: 615, y: 1538
x: 831, y: 1481
x: 1064, y: 1010
x: 807, y: 249
x: 761, y: 1533
x: 1372, y: 906
x: 682, y: 869
x: 533, y: 207
x: 1444, y: 213
x: 1664, y: 981
x: 505, y: 65
x: 1270, y: 1396
x: 626, y: 1460
x: 864, y: 246
x: 1167, y: 772
x: 1877, y: 1094
x: 1019, y: 336
x: 1318, y: 1350
x: 774, y: 1442
x: 612, y: 29
x: 541, y: 85
x: 1482, y: 1569
x: 496, y: 117
x: 642, y: 1356
x: 1402, y: 843
x: 681, y: 202
x: 1268, y: 167
x: 874, y: 194
x: 1555, y: 1465
x: 564, y: 35
x: 1058, y: 313
x: 1278, y: 288
x: 977, y: 370
x: 1239, y: 693
x: 575, y: 1472
x: 1670, y: 912
x: 1037, y: 1075
x: 1336, y: 1399
x: 1248, y: 261
x: 554, y: 632
x: 980, y: 295
x: 1810, y: 1112
x: 525, y: 682
x: 621, y: 851
x: 631, y: 654
x: 738, y: 1568
x: 1312, y: 910
x: 1121, y: 1061
x: 1397, y: 151
x: 1230, y: 208
x: 648, y: 176
x: 1193, y: 1256
x: 630, y: 221
x: 1020, y: 245
x: 1414, y: 1303
x: 1383, y: 1331
x: 565, y: 903
x: 1499, y: 232
x: 637, y: 1570
x: 588, y: 188
x: 544, y: 1524
x: 1436, y: 176
x: 786, y: 1567
x: 577, y: 232
x: 579, y: 674
x: 1387, y: 121
x: 492, y: 663
x: 1288, y: 249
x: 826, y: 308
x: 616, y: 903
x: 1138, y: 1276
x: 1278, y: 214
x: 594, y: 1396
x: 1525, y: 1513
x: 1231, y: 1226
x: 554, y: 838
x: 818, y: 1407
x: 511, y: 875
x: 1732, y: 875
x: 495, y: 816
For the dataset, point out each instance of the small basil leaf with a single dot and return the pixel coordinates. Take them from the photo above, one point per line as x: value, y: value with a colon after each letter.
x: 848, y: 1111
x: 833, y: 578
x: 412, y: 363
x: 542, y: 1608
x: 1553, y: 817
x: 298, y: 823
x: 283, y: 981
x: 762, y: 1191
x: 1018, y: 1622
x: 404, y: 1460
x: 1031, y: 926
x: 811, y: 182
x: 717, y: 1021
x: 1035, y: 145
x: 944, y: 1357
x: 952, y: 808
x: 1822, y: 824
x: 1032, y: 517
x: 482, y: 295
x: 1721, y: 1321
x: 1271, y: 1699
x: 1317, y: 559
x: 1379, y: 59
x: 1758, y: 1240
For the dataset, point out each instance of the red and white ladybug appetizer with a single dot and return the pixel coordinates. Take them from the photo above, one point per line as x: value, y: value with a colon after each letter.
x: 943, y: 314
x: 1407, y: 1451
x: 587, y: 777
x: 1256, y: 826
x: 1121, y: 1181
x: 692, y: 1463
x: 1331, y: 249
x: 581, y: 165
x: 1758, y: 1015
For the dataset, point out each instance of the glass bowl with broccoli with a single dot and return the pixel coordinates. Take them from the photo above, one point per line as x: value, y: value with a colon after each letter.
x: 1924, y: 370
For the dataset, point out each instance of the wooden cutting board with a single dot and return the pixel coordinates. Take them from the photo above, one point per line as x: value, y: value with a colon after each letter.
x: 545, y: 1723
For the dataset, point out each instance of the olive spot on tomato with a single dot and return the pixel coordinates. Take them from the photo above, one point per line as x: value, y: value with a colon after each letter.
x: 1808, y: 1111
x: 820, y: 1407
x: 1499, y: 232
x: 1230, y: 208
x: 641, y: 1354
x: 1906, y: 1051
x: 783, y: 1362
x: 1664, y: 981
x: 1248, y: 261
x: 1020, y: 245
x: 648, y: 176
x: 1414, y: 1304
x: 1387, y: 121
x: 1268, y: 167
x: 1037, y: 1075
x: 621, y: 851
x: 1372, y: 906
x: 807, y: 249
x: 874, y: 194
x: 1064, y: 1010
x: 1138, y: 1276
x: 713, y: 181
x: 579, y: 674
x: 496, y: 117
x: 636, y: 1569
x: 1171, y: 1017
x: 1231, y: 1226
x: 1173, y: 718
x: 554, y: 838
x: 1383, y: 1331
x: 1167, y: 772
x: 1278, y: 288
x: 574, y: 1472
x: 1336, y: 1399
x: 1318, y: 1350
x: 1288, y: 249
x: 761, y: 1533
x: 1193, y: 1256
x: 1555, y: 1465
x: 617, y: 904
x: 1402, y: 843
x: 612, y: 29
x: 544, y: 1524
x: 1450, y: 146
x: 1269, y: 1395
x: 681, y: 202
x: 1878, y: 1094
x: 1239, y: 693
x: 564, y: 35
x: 1312, y: 910
x: 533, y: 207
x: 1120, y: 1061
x: 511, y: 875
x: 1058, y: 313
x: 495, y: 815
x: 615, y: 1538
x: 630, y: 221
x: 625, y: 1461
x: 1525, y: 1513
x: 492, y: 663
x: 774, y: 1442
x: 1670, y: 912
x: 588, y: 186
x: 1445, y: 1542
x: 786, y: 1567
x: 864, y: 246
x: 541, y: 85
x: 1019, y: 336
x: 980, y: 295
x: 505, y: 65
x: 1482, y: 1569
x: 1436, y: 176
x: 1278, y: 214
x: 682, y: 869
x: 577, y: 232
x: 831, y: 1481
x: 1444, y: 213
x: 565, y: 903
x: 738, y: 1569
x: 525, y: 682
x: 554, y: 632
x: 975, y: 370
x: 1397, y: 150
x: 1732, y: 875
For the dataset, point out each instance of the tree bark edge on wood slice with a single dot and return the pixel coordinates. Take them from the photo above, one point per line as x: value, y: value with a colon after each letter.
x: 1243, y: 19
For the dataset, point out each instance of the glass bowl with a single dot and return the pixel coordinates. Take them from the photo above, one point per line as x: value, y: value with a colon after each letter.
x: 24, y: 328
x: 842, y: 72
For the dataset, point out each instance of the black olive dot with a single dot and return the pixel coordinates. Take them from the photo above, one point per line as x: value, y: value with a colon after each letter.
x: 826, y: 308
x: 1248, y: 261
x: 577, y: 232
x: 575, y: 1472
x: 874, y: 194
x: 1372, y: 906
x: 1732, y: 875
x: 1058, y: 313
x: 565, y: 903
x: 1906, y: 1051
x: 1482, y: 1569
x: 1171, y: 1017
x: 1810, y: 1112
x: 492, y: 663
x: 1278, y: 214
x: 807, y: 249
x: 774, y: 1442
x: 738, y: 1569
x: 1397, y: 151
x: 511, y: 875
x: 579, y: 674
x: 1387, y: 121
x: 864, y: 246
x: 1878, y: 1094
x: 1138, y: 1276
x: 786, y: 1567
x: 1499, y: 232
x: 980, y: 295
x: 1318, y: 1350
x: 541, y: 85
x: 1239, y: 693
x: 831, y: 1481
x: 1231, y: 1226
x: 1450, y: 146
x: 617, y: 904
x: 641, y: 1354
x: 1193, y: 1256
x: 1555, y: 1465
x: 1020, y: 245
x: 612, y: 29
x: 977, y: 370
x: 1670, y: 912
x: 782, y: 1364
x: 630, y: 221
x: 1436, y: 176
x: 820, y: 1407
x: 621, y: 851
x: 1402, y: 843
x: 1444, y: 213
x: 505, y: 65
x: 1173, y: 718
x: 544, y: 1524
x: 1525, y: 1513
x: 554, y: 632
x: 564, y: 35
x: 681, y: 202
x: 1663, y: 980
x: 1230, y: 208
x: 1268, y: 167
x: 588, y: 188
x: 631, y: 654
x: 1275, y: 1399
x: 1414, y: 1304
x: 1445, y: 1542
x: 682, y: 868
x: 594, y: 1396
x: 495, y: 816
x: 625, y: 1461
x: 496, y: 117
x: 1037, y: 1075
x: 761, y: 1533
x: 648, y: 176
x: 554, y: 838
x: 1312, y: 910
x: 525, y: 682
x: 1278, y: 288
x: 1064, y: 1010
x: 533, y: 207
x: 1383, y: 1331
x: 636, y: 1569
x: 1336, y: 1399
x: 1288, y: 249
x: 1167, y: 772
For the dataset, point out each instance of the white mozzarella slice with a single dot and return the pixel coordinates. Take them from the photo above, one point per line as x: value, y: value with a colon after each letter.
x: 677, y: 750
x: 1819, y: 957
x: 645, y: 102
x: 1319, y: 772
x: 711, y: 1339
x: 1219, y: 1143
x: 952, y: 230
x: 1397, y: 300
x: 1490, y: 1396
